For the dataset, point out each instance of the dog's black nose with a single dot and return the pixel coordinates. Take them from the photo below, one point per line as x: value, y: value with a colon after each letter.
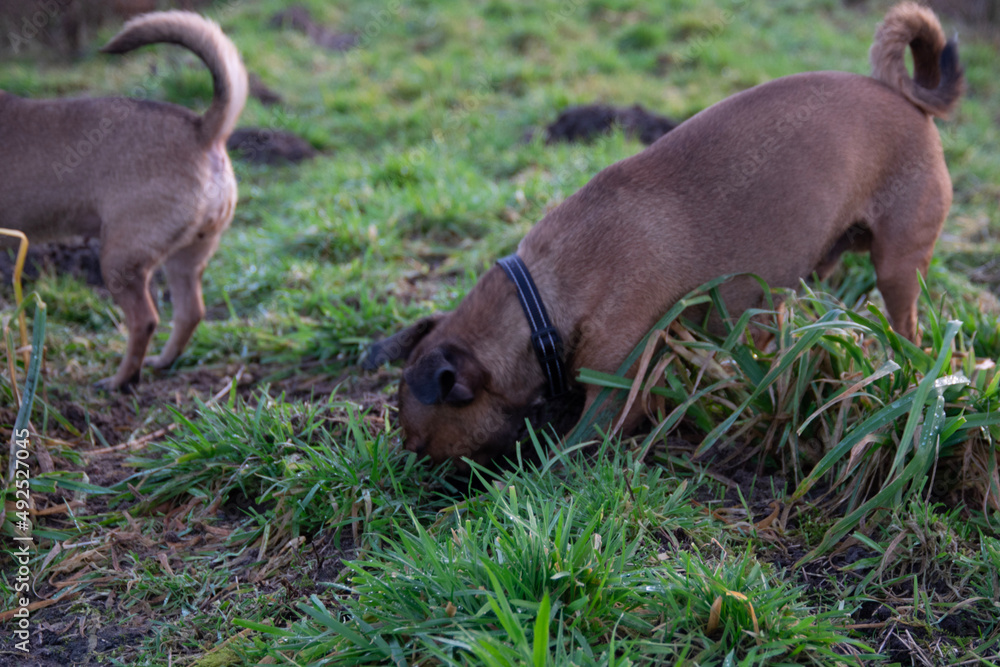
x: 374, y: 357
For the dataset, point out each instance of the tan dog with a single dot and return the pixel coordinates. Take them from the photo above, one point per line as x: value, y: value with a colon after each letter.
x: 152, y: 180
x: 778, y: 180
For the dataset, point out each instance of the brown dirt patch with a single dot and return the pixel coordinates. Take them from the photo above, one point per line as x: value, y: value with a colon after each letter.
x: 262, y: 145
x: 77, y: 256
x: 299, y: 18
x: 262, y: 92
x: 586, y: 123
x: 74, y: 641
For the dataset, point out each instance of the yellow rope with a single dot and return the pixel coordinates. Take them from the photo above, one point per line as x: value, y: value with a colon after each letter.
x: 22, y: 252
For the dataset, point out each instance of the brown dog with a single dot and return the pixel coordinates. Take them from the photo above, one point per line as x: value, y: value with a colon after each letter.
x: 152, y: 180
x: 778, y: 181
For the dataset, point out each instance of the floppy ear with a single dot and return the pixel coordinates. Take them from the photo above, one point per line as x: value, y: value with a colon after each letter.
x: 399, y: 345
x: 444, y: 375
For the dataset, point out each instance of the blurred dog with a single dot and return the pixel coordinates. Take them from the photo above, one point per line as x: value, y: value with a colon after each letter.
x: 152, y: 180
x: 778, y: 181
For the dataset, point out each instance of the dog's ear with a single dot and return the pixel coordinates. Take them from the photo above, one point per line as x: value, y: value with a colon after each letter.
x: 399, y: 345
x: 445, y: 375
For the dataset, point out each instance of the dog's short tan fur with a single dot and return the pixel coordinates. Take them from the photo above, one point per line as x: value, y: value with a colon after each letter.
x: 777, y: 180
x: 152, y: 180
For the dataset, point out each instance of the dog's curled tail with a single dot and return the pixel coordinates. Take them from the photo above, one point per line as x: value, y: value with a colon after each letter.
x: 208, y: 42
x: 937, y: 81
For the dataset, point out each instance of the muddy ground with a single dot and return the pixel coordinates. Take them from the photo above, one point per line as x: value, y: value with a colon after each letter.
x: 98, y: 427
x: 71, y: 633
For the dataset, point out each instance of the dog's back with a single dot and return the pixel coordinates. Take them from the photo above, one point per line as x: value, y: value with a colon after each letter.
x: 75, y: 157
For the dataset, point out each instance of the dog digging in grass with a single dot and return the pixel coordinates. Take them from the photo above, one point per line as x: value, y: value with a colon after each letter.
x: 151, y: 180
x: 777, y: 181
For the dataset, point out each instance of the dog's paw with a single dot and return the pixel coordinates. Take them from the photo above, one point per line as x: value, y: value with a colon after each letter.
x: 107, y: 385
x: 112, y: 384
x: 158, y: 363
x: 153, y: 362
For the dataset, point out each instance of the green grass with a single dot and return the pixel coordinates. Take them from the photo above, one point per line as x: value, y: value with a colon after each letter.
x: 552, y: 569
x: 267, y: 511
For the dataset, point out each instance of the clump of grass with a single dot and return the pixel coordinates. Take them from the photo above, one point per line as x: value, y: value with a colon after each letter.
x: 929, y: 546
x: 563, y: 563
x: 738, y: 607
x: 306, y: 465
x: 884, y: 410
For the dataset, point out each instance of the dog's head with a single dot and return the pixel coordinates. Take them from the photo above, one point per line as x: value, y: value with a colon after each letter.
x: 458, y: 398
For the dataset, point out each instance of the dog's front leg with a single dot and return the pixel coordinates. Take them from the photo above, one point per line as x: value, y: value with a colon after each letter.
x: 128, y: 281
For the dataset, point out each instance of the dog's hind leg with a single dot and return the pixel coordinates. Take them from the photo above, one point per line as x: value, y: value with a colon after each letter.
x: 184, y: 271
x: 903, y: 243
x: 128, y: 280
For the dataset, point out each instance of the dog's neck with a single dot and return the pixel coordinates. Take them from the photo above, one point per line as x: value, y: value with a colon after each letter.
x: 562, y: 267
x: 491, y: 324
x: 559, y: 253
x: 545, y: 338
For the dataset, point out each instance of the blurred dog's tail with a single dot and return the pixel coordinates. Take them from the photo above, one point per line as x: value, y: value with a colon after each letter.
x: 937, y: 81
x: 208, y: 42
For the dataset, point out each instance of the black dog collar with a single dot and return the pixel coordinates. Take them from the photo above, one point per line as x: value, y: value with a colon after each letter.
x: 544, y: 337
